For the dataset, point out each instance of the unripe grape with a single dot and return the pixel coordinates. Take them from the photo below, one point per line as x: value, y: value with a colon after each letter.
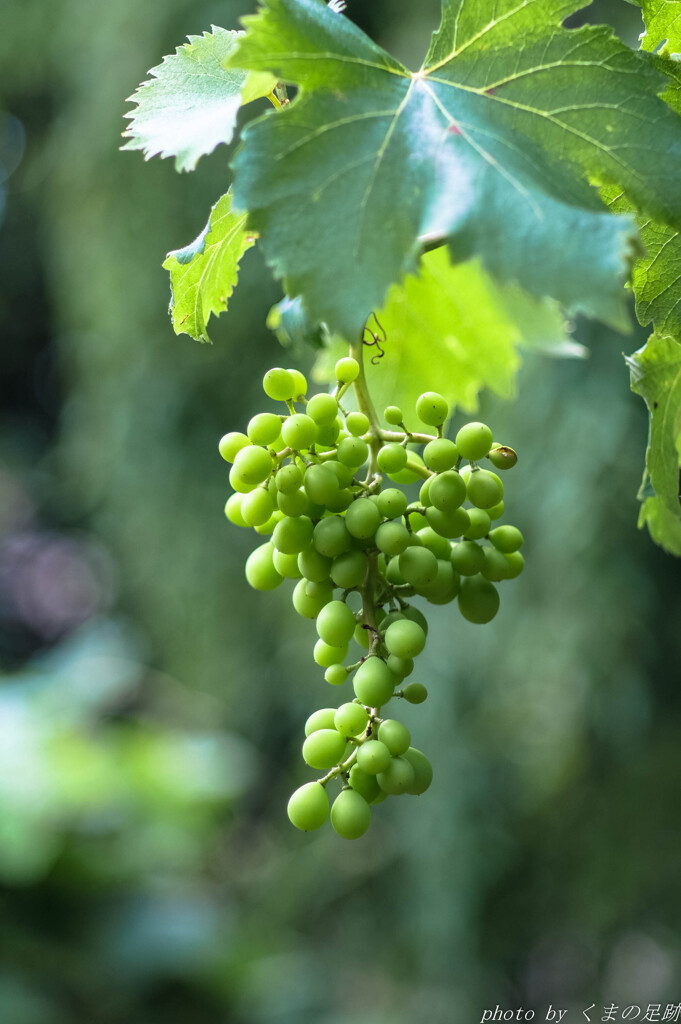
x: 336, y: 674
x: 288, y: 479
x: 405, y: 639
x: 506, y: 538
x: 314, y: 566
x: 252, y: 465
x: 467, y: 557
x: 432, y: 408
x: 357, y: 423
x: 233, y: 509
x: 397, y: 777
x: 353, y: 451
x: 351, y: 719
x: 321, y: 484
x: 408, y: 474
x: 310, y: 605
x: 423, y: 771
x: 415, y: 615
x: 259, y: 568
x: 365, y: 785
x: 256, y: 507
x: 393, y: 574
x: 336, y: 624
x: 264, y: 428
x: 440, y: 546
x: 350, y: 814
x: 347, y: 370
x: 294, y: 504
x: 278, y: 384
x: 447, y: 491
x: 394, y: 735
x: 349, y: 569
x: 392, y: 538
x: 326, y: 655
x: 330, y: 537
x: 292, y: 535
x: 479, y: 524
x: 516, y: 563
x: 343, y: 474
x: 308, y: 807
x: 424, y: 492
x: 444, y: 587
x: 497, y: 511
x: 299, y: 431
x: 440, y: 454
x: 483, y: 489
x: 286, y: 565
x: 474, y: 440
x: 373, y: 682
x: 266, y: 528
x: 323, y: 749
x: 373, y: 757
x: 495, y: 566
x: 415, y: 693
x: 362, y: 518
x: 417, y: 519
x: 392, y: 503
x: 322, y: 719
x: 299, y: 383
x: 502, y: 457
x: 327, y: 434
x: 478, y: 599
x: 323, y: 408
x: 400, y: 667
x: 393, y: 415
x: 418, y: 565
x: 341, y: 501
x: 392, y: 458
x: 361, y: 636
x: 231, y: 444
x: 448, y: 524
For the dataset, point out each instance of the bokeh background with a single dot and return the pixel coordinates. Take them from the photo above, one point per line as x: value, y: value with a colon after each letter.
x: 151, y: 705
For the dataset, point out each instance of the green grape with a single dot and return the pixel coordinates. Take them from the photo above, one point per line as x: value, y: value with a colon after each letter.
x: 264, y: 428
x: 322, y: 719
x: 506, y: 538
x: 448, y: 524
x: 393, y: 574
x: 343, y: 474
x: 314, y: 566
x: 408, y: 474
x: 330, y: 537
x: 323, y: 749
x: 308, y: 807
x: 233, y: 510
x: 352, y: 451
x: 423, y: 771
x: 350, y: 814
x: 380, y: 798
x: 405, y: 639
x: 373, y: 757
x: 252, y: 465
x: 278, y: 384
x: 424, y: 491
x: 373, y: 682
x: 362, y: 518
x: 479, y: 524
x: 416, y: 616
x: 336, y: 624
x: 327, y: 434
x: 495, y: 565
x: 440, y: 454
x: 392, y: 458
x: 432, y: 408
x: 415, y: 693
x: 347, y: 370
x: 474, y: 440
x: 497, y: 511
x: 447, y: 491
x: 440, y: 546
x: 349, y: 569
x: 478, y: 599
x: 357, y: 423
x: 392, y: 503
x: 397, y: 777
x: 483, y: 489
x: 336, y: 674
x: 393, y: 735
x: 361, y: 636
x: 322, y: 408
x: 299, y: 431
x: 393, y: 415
x: 321, y: 484
x: 516, y: 563
x: 295, y: 504
x: 309, y: 605
x: 418, y: 565
x: 444, y: 587
x: 259, y: 568
x: 286, y: 565
x: 266, y: 528
x: 231, y: 444
x: 351, y: 719
x: 417, y: 519
x: 392, y: 538
x: 400, y: 667
x: 365, y: 785
x: 256, y: 507
x: 467, y: 557
x: 288, y: 479
x: 341, y: 501
x: 502, y: 457
x: 299, y: 383
x: 326, y: 655
x: 292, y: 535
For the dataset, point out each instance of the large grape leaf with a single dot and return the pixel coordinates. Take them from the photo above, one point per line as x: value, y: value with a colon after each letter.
x: 663, y: 24
x: 664, y: 527
x: 190, y: 103
x: 453, y: 328
x: 488, y: 145
x: 204, y: 273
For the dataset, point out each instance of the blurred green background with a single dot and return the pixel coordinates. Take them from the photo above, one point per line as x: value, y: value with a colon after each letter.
x: 151, y: 705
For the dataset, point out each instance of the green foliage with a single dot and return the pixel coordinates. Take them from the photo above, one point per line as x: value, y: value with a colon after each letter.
x: 204, y: 273
x: 663, y: 23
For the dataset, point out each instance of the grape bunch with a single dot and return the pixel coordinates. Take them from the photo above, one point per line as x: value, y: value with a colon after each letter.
x: 311, y: 480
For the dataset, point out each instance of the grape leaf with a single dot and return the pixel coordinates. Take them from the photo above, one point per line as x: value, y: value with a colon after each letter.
x: 204, y: 273
x: 663, y: 22
x: 664, y: 527
x: 451, y: 325
x: 489, y: 145
x: 190, y: 104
